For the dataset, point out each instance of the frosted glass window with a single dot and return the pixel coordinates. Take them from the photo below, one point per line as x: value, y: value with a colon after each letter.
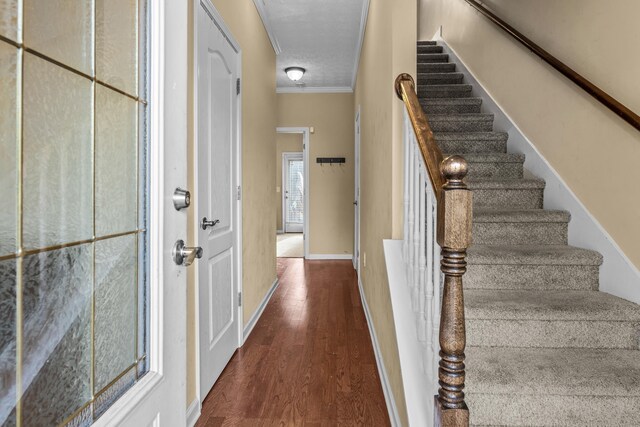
x: 115, y: 309
x: 295, y: 197
x: 56, y: 334
x: 74, y: 267
x: 9, y: 19
x: 7, y: 342
x: 61, y: 30
x: 8, y: 148
x: 116, y: 162
x: 58, y: 155
x: 116, y: 43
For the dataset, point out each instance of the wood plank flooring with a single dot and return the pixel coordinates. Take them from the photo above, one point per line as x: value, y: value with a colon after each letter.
x: 309, y: 360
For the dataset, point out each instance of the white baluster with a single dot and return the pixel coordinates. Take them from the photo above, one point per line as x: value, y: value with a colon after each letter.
x: 411, y: 217
x: 437, y: 292
x: 422, y: 259
x: 406, y: 140
x: 430, y: 238
x: 416, y: 231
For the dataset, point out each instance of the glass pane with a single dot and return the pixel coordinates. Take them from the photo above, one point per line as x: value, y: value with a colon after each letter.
x: 107, y: 397
x: 56, y: 305
x: 9, y: 19
x: 295, y: 201
x: 58, y: 183
x: 115, y: 308
x: 61, y: 29
x: 116, y: 43
x: 116, y: 162
x: 8, y: 148
x: 7, y: 342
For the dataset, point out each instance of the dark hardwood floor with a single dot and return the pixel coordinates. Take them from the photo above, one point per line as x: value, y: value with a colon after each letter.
x: 309, y: 360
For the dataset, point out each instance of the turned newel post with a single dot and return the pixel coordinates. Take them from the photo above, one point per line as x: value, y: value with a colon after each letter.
x: 454, y: 237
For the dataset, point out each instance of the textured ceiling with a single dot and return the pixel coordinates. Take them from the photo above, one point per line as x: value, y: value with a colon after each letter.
x: 322, y: 36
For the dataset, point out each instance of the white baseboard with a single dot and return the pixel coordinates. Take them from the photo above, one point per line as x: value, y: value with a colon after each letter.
x: 279, y: 231
x: 193, y: 412
x: 384, y: 378
x: 256, y: 314
x: 329, y: 256
x: 618, y: 275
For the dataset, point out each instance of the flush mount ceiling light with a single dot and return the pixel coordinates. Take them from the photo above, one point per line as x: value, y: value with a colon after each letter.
x: 294, y: 73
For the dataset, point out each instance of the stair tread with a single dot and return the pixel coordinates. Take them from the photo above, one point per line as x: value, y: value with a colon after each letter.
x: 427, y: 42
x: 548, y: 305
x: 504, y: 183
x: 451, y: 101
x: 449, y: 86
x: 491, y: 157
x: 424, y: 75
x: 470, y: 136
x: 546, y: 372
x: 460, y: 117
x: 519, y: 215
x: 532, y: 255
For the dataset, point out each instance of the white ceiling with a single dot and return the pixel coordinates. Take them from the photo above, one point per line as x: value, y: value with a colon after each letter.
x: 322, y: 36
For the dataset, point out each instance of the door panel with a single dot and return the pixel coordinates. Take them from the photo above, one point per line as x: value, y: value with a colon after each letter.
x: 217, y: 142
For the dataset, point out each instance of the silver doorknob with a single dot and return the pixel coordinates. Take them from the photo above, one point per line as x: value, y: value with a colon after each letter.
x: 184, y: 255
x: 204, y: 224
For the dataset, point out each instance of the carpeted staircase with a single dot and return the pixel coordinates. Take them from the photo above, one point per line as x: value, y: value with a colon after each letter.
x: 544, y: 346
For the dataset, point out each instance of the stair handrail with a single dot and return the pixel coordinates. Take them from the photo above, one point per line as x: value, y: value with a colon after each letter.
x: 603, y: 97
x: 454, y: 215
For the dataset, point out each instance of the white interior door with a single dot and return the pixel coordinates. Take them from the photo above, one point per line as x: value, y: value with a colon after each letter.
x: 356, y: 197
x: 218, y: 67
x: 158, y: 399
x: 293, y: 194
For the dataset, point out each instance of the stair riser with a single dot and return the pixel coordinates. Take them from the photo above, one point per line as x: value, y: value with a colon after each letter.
x: 520, y: 233
x: 547, y: 410
x: 551, y: 333
x: 462, y: 125
x: 495, y: 170
x: 427, y: 43
x: 441, y: 67
x: 531, y: 277
x: 429, y: 49
x: 459, y: 91
x: 480, y: 146
x: 447, y: 79
x: 430, y: 58
x: 450, y: 108
x: 508, y: 198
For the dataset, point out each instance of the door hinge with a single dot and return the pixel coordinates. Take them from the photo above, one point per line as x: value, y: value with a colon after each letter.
x: 238, y: 86
x: 239, y: 193
x: 239, y: 299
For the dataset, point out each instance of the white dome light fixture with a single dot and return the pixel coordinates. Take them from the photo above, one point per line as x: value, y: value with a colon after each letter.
x: 294, y: 73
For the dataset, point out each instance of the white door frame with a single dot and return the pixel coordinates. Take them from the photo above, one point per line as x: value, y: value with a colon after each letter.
x: 168, y: 78
x: 356, y: 225
x: 305, y: 158
x: 217, y: 18
x: 286, y: 155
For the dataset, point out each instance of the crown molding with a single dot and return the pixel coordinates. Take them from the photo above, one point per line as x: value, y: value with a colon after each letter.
x: 264, y: 16
x: 324, y: 89
x: 363, y: 26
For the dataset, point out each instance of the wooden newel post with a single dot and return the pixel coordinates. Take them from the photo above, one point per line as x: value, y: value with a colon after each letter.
x: 454, y: 237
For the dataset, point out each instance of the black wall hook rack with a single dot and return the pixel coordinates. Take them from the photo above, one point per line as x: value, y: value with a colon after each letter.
x: 330, y: 160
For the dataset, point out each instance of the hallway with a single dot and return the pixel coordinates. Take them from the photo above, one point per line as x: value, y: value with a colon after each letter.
x: 309, y: 360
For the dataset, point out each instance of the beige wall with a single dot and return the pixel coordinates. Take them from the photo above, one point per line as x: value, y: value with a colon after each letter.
x: 285, y: 143
x: 389, y: 49
x: 594, y: 151
x: 258, y: 143
x: 330, y: 187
